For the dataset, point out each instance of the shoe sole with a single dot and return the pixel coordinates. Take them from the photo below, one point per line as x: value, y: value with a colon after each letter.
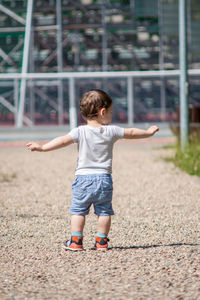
x: 72, y: 249
x: 101, y: 249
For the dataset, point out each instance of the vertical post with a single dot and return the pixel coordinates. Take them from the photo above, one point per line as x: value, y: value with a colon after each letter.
x: 161, y: 61
x: 130, y: 97
x: 31, y: 81
x: 72, y: 104
x: 183, y: 82
x: 132, y: 12
x: 104, y: 37
x: 32, y: 101
x: 104, y: 43
x: 189, y: 30
x: 16, y: 94
x: 59, y: 60
x: 26, y: 51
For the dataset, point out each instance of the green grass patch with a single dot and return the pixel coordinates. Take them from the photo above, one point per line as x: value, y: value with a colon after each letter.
x: 169, y: 147
x: 189, y: 160
x: 7, y: 177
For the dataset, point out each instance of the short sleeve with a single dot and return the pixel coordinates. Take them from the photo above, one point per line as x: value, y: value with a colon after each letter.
x: 118, y: 133
x: 74, y: 134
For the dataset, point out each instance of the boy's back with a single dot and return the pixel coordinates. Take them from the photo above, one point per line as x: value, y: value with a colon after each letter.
x: 95, y: 145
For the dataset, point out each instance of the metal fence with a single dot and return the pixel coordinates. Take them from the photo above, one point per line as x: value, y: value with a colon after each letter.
x: 138, y: 95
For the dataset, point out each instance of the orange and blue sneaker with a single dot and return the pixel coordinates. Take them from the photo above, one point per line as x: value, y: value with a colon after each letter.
x: 101, y: 243
x: 75, y: 244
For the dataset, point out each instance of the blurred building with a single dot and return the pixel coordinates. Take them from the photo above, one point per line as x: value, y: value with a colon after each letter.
x: 91, y: 36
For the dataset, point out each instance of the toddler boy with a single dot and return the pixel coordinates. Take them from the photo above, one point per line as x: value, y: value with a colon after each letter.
x: 93, y: 183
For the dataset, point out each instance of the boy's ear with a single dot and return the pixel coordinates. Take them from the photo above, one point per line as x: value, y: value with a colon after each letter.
x: 102, y: 111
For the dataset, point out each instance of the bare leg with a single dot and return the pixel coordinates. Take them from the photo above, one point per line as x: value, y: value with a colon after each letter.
x: 77, y: 223
x: 104, y: 223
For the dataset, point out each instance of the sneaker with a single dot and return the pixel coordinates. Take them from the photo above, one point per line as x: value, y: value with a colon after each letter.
x: 75, y: 244
x: 101, y: 243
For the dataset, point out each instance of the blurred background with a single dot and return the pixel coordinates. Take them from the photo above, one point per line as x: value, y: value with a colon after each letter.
x: 50, y: 36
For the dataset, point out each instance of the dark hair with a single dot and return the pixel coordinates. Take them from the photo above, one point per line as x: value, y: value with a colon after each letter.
x: 93, y: 101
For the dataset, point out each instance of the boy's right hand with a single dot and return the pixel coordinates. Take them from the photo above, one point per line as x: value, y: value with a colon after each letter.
x: 32, y: 146
x: 153, y: 129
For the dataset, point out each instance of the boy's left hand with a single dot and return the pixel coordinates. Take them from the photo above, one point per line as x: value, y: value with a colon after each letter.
x: 153, y: 129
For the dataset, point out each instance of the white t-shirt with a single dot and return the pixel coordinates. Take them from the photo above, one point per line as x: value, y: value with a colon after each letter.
x: 95, y: 146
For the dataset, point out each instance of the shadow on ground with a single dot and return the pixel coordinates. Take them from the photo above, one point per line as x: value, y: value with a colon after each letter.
x: 154, y: 246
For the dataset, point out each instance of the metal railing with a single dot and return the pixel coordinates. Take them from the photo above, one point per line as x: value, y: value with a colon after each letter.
x: 18, y: 108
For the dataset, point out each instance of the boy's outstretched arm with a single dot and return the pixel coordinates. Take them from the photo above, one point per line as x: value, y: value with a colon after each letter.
x: 135, y: 133
x: 54, y: 144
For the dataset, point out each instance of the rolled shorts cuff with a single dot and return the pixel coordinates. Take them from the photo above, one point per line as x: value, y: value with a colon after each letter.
x: 104, y: 214
x: 78, y: 212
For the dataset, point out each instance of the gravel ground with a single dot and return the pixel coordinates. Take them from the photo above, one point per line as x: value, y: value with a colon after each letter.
x: 154, y: 239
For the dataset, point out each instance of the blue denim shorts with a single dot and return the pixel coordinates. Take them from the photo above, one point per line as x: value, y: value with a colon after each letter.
x: 92, y: 189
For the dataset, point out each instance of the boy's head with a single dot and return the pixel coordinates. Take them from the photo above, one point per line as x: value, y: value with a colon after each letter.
x: 92, y: 102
